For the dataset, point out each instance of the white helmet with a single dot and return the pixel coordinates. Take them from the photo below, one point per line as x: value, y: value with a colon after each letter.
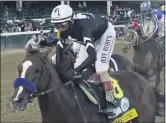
x: 61, y: 13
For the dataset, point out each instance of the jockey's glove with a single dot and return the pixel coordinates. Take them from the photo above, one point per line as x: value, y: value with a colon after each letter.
x: 73, y: 74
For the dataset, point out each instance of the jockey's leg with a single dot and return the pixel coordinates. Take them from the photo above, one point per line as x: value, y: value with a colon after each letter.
x: 104, y: 53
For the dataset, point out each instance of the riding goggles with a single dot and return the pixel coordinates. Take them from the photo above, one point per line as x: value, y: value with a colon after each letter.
x: 62, y: 26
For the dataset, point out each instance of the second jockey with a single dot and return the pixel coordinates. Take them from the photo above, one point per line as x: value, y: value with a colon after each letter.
x: 97, y: 35
x: 146, y: 11
x: 159, y: 34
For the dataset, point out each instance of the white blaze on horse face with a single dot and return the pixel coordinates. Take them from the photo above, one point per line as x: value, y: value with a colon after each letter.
x: 25, y: 66
x: 53, y: 59
x: 20, y: 90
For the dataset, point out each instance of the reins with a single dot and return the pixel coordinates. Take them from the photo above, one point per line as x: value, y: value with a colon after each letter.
x: 49, y: 90
x: 135, y: 40
x: 37, y: 94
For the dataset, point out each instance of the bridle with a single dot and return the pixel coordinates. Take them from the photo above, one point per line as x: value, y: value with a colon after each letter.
x: 44, y: 68
x: 135, y: 41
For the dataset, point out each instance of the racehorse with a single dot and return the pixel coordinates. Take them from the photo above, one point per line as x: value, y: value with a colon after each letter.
x: 66, y: 102
x: 147, y: 59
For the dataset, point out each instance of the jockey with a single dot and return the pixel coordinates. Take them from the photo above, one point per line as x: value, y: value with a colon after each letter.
x: 146, y: 11
x: 97, y: 35
x: 158, y: 16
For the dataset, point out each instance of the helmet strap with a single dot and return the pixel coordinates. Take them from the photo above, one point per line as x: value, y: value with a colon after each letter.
x: 72, y: 17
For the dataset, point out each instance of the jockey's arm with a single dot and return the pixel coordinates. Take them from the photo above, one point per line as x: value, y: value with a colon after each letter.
x: 87, y: 38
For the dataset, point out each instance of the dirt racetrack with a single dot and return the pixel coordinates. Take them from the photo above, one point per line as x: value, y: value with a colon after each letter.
x: 9, y: 62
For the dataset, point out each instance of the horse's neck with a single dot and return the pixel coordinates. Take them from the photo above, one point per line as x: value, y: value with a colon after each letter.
x: 144, y: 46
x: 50, y: 109
x: 55, y: 101
x: 141, y: 52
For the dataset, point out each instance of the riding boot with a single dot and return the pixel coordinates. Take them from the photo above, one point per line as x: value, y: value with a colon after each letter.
x: 110, y: 100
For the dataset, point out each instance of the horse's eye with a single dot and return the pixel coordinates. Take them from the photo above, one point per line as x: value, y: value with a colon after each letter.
x: 37, y: 70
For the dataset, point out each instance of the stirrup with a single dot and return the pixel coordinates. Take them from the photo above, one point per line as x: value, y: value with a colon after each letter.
x: 108, y: 111
x: 88, y: 93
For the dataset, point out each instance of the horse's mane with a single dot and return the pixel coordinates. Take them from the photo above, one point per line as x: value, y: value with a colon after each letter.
x: 68, y: 58
x: 67, y: 63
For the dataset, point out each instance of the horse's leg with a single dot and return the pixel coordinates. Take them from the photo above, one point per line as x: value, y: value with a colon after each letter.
x: 157, y: 81
x: 156, y: 68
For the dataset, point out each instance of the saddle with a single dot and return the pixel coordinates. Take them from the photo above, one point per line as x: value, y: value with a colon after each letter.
x: 95, y: 80
x: 93, y: 90
x: 94, y: 86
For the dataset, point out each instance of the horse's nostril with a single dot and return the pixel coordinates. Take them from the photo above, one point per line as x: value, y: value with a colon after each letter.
x: 20, y: 100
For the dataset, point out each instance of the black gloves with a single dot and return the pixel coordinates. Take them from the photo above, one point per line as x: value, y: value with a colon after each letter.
x: 72, y: 74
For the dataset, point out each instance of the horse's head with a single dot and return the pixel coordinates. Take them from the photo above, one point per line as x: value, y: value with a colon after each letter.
x: 34, y: 77
x: 130, y: 39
